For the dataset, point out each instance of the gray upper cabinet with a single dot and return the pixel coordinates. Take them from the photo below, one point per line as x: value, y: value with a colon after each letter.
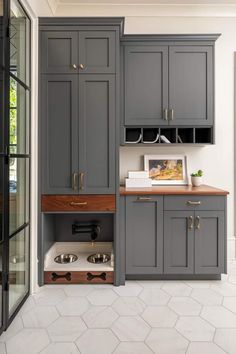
x: 145, y: 85
x: 97, y: 52
x: 97, y: 133
x: 86, y: 52
x: 144, y: 235
x: 209, y: 243
x: 59, y: 133
x: 59, y: 52
x: 168, y: 80
x: 191, y: 85
x: 179, y: 242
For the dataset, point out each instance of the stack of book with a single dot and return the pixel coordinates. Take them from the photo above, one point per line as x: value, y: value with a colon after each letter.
x: 138, y: 179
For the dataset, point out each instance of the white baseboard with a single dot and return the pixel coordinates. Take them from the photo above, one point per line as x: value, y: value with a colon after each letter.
x: 231, y: 248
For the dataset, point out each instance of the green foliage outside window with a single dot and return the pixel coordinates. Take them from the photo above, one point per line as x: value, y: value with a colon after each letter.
x: 13, y: 112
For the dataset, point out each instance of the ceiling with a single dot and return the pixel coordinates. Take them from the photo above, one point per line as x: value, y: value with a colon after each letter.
x: 147, y: 2
x: 126, y: 8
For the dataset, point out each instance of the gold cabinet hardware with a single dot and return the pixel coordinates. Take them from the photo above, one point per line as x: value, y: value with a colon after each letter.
x: 171, y: 114
x: 190, y: 202
x: 144, y: 199
x: 75, y: 181
x: 74, y: 66
x: 81, y: 181
x: 197, y: 222
x: 82, y: 66
x: 165, y: 114
x: 78, y: 203
x: 190, y: 222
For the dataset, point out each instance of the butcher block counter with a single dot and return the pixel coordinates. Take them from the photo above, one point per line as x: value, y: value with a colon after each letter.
x: 174, y: 190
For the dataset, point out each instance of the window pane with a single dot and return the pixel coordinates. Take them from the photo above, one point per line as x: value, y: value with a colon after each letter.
x: 19, y: 119
x: 19, y: 192
x: 18, y: 268
x: 19, y: 42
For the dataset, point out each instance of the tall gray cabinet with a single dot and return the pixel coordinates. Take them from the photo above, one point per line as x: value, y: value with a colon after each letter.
x: 78, y: 107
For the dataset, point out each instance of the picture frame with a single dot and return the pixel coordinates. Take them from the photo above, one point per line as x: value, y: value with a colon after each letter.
x: 167, y: 169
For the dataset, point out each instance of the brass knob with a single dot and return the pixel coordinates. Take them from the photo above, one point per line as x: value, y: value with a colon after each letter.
x: 82, y: 66
x: 74, y: 66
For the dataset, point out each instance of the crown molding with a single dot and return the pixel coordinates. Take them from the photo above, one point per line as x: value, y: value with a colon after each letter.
x: 53, y: 4
x: 145, y: 10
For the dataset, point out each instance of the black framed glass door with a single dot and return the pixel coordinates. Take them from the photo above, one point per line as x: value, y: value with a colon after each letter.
x: 14, y: 160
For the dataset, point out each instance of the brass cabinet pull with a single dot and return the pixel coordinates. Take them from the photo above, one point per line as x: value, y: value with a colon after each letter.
x: 78, y: 203
x: 165, y: 114
x: 190, y: 202
x: 171, y: 114
x: 144, y: 199
x: 75, y: 181
x: 74, y: 66
x: 81, y: 181
x: 197, y: 222
x: 190, y: 222
x: 82, y: 66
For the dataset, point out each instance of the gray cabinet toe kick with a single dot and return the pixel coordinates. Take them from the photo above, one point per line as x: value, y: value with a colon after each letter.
x: 173, y: 236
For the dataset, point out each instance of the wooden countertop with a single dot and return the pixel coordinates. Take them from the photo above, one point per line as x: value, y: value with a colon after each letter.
x: 177, y: 190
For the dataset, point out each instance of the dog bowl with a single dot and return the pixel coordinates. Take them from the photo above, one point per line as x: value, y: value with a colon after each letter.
x: 65, y: 258
x: 99, y: 258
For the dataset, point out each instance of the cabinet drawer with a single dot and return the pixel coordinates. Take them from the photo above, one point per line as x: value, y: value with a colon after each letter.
x: 194, y: 202
x: 50, y: 203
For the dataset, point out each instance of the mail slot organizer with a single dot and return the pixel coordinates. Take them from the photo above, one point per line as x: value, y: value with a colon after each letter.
x: 167, y: 135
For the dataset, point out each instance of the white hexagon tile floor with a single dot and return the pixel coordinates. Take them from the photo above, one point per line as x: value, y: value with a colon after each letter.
x: 144, y: 317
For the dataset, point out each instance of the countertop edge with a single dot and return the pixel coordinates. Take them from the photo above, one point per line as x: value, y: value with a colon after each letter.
x: 174, y: 190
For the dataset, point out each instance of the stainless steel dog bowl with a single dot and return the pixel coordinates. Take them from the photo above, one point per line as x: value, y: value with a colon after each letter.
x: 99, y: 258
x: 65, y: 258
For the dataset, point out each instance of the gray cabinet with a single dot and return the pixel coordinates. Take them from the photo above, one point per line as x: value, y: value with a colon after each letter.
x: 97, y: 52
x: 191, y: 85
x: 144, y: 235
x: 97, y: 133
x: 168, y: 80
x: 59, y: 52
x: 179, y: 242
x: 78, y: 134
x: 209, y: 242
x: 173, y: 235
x: 145, y: 85
x: 194, y: 242
x: 76, y: 52
x: 59, y: 133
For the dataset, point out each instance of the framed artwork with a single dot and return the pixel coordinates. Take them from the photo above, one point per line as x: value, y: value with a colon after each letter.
x: 166, y: 169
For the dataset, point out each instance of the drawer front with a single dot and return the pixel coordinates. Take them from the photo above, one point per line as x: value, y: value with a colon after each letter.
x: 194, y: 202
x: 85, y: 277
x: 76, y: 203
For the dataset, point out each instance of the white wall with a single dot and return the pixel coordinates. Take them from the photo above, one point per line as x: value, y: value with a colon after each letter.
x: 217, y: 161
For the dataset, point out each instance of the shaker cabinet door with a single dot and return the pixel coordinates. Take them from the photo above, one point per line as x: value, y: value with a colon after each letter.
x: 191, y: 85
x: 59, y: 137
x: 97, y: 134
x: 179, y: 242
x: 145, y: 85
x: 144, y: 235
x: 59, y: 52
x: 97, y: 52
x: 209, y: 242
